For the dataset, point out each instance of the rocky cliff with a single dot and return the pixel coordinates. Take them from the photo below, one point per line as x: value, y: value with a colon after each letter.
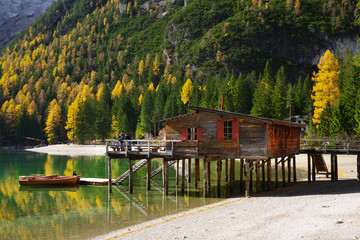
x: 15, y: 15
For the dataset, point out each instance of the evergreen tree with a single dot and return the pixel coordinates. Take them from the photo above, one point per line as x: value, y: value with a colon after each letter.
x: 242, y: 95
x: 103, y: 115
x: 298, y: 98
x: 145, y: 118
x: 278, y: 97
x: 323, y: 128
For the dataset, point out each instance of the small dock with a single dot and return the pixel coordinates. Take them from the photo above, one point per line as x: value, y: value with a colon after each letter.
x: 94, y: 181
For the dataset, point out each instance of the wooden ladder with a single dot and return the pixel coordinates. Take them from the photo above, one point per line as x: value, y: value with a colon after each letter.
x: 320, y: 164
x: 159, y: 169
x: 125, y: 175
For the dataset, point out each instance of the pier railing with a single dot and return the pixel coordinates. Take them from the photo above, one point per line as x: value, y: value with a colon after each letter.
x: 151, y: 147
x: 324, y: 146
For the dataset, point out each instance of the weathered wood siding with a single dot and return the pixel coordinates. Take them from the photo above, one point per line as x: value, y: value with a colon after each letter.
x: 283, y: 140
x: 252, y: 139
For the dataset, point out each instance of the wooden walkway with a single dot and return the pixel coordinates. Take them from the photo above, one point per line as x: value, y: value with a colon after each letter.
x: 171, y: 152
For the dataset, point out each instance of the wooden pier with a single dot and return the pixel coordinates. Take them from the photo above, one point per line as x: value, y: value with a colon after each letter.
x: 208, y: 135
x: 219, y: 136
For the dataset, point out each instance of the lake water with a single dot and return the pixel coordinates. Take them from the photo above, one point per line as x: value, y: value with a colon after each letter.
x: 87, y: 211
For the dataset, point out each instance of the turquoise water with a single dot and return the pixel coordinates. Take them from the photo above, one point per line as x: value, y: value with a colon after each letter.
x: 86, y: 211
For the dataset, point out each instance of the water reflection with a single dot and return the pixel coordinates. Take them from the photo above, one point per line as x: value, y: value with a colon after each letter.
x: 63, y: 213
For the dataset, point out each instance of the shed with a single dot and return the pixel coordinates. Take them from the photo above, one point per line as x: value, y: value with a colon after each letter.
x: 207, y: 132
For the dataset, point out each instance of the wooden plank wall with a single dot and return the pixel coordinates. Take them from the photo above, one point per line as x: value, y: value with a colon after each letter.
x: 283, y: 140
x: 252, y: 138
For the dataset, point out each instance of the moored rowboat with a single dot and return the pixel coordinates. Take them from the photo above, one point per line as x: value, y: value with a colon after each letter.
x: 52, y: 180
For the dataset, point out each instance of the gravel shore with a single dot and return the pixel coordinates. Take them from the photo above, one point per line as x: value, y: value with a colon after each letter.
x: 316, y: 210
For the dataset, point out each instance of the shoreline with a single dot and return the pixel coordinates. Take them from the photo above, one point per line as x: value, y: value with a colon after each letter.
x: 316, y: 210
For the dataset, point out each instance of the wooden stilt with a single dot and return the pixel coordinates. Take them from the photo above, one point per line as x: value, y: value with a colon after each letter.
x: 130, y: 176
x: 332, y: 160
x: 263, y: 173
x: 276, y: 173
x: 269, y: 174
x: 241, y: 174
x: 257, y: 172
x: 218, y: 175
x: 198, y: 168
x: 232, y: 174
x: 289, y: 168
x: 309, y: 167
x: 294, y: 168
x: 358, y: 167
x: 247, y: 181
x: 226, y: 169
x: 196, y: 172
x: 336, y: 168
x: 313, y: 168
x: 109, y: 174
x: 251, y: 176
x: 189, y: 170
x: 208, y: 175
x: 283, y: 169
x: 148, y: 180
x: 177, y: 171
x: 183, y: 175
x: 205, y: 178
x: 166, y: 177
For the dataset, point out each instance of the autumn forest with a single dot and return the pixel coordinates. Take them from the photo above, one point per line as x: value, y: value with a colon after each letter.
x: 86, y: 69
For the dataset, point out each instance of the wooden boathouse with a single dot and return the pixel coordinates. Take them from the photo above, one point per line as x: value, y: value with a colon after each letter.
x: 215, y: 135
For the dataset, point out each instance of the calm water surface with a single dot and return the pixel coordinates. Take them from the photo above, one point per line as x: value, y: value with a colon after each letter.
x: 85, y: 211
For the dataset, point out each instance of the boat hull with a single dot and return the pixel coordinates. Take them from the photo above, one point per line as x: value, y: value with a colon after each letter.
x: 49, y: 181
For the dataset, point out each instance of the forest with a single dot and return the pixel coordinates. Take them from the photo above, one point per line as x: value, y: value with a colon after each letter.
x: 84, y: 70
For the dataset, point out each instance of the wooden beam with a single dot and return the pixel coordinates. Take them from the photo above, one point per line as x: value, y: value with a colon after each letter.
x: 130, y: 176
x: 247, y: 179
x: 294, y: 167
x: 251, y: 175
x: 205, y: 178
x: 166, y: 177
x: 309, y: 167
x: 226, y: 169
x: 148, y: 180
x: 183, y: 175
x: 269, y: 174
x: 257, y: 172
x: 208, y: 175
x: 196, y: 172
x: 263, y: 173
x: 177, y: 171
x: 332, y: 160
x: 109, y: 174
x: 276, y: 172
x: 313, y: 168
x: 336, y: 168
x: 358, y: 167
x: 218, y: 175
x: 232, y: 174
x: 289, y: 168
x: 241, y: 174
x: 189, y: 170
x: 283, y: 169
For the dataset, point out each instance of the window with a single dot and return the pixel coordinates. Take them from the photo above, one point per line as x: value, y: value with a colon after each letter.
x: 191, y: 134
x: 228, y: 130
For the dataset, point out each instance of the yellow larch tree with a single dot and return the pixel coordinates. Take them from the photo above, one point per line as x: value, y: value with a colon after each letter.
x: 156, y: 66
x: 326, y: 87
x: 53, y: 122
x: 141, y: 69
x: 187, y: 91
x: 117, y: 90
x: 72, y: 119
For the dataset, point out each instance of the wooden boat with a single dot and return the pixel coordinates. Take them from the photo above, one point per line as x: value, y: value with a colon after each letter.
x: 51, y: 180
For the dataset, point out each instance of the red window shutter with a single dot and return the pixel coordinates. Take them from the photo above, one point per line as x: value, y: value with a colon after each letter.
x: 198, y: 133
x: 183, y: 134
x: 235, y: 129
x: 220, y: 130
